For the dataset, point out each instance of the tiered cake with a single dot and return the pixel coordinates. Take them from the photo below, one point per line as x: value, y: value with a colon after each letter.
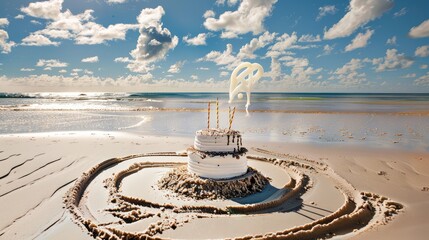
x: 217, y: 154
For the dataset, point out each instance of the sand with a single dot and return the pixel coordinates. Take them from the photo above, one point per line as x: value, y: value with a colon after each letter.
x: 39, y: 170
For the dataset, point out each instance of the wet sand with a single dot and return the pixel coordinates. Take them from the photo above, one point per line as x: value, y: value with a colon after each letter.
x: 37, y: 170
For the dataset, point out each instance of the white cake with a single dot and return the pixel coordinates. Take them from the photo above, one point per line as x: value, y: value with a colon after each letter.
x: 217, y: 154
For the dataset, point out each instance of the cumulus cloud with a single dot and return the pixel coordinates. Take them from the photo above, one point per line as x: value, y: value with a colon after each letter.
x: 38, y: 40
x: 422, y: 51
x: 51, y: 63
x: 85, y: 82
x: 247, y: 51
x: 360, y: 12
x: 47, y: 9
x: 283, y: 42
x: 209, y: 13
x: 327, y: 49
x: 423, y: 80
x: 225, y: 58
x: 392, y: 60
x: 309, y: 38
x: 198, y: 40
x: 420, y: 31
x: 349, y: 73
x: 122, y: 59
x: 325, y: 10
x: 19, y: 16
x: 249, y: 17
x: 175, y: 68
x: 194, y: 77
x: 424, y: 66
x: 360, y: 41
x: 5, y: 44
x: 151, y: 28
x: 391, y: 41
x: 229, y: 2
x: 90, y: 59
x: 4, y: 22
x: 27, y: 69
x: 78, y: 27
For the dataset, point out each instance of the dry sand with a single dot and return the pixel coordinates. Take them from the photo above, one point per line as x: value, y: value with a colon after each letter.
x: 37, y: 170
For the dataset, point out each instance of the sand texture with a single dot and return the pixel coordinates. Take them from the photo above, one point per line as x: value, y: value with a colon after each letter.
x: 81, y: 185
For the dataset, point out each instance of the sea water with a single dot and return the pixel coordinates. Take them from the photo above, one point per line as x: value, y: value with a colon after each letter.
x: 393, y: 120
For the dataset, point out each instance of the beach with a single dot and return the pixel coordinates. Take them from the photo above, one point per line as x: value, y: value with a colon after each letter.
x: 346, y: 147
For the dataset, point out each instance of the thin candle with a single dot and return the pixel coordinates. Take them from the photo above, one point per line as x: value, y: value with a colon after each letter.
x: 208, y: 116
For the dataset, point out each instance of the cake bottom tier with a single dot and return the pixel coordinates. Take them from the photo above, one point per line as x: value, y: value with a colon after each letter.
x: 216, y: 167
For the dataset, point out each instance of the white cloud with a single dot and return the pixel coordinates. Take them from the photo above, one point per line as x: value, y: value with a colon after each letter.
x: 78, y: 27
x: 223, y: 73
x: 422, y: 51
x: 392, y: 61
x: 420, y: 31
x: 283, y: 42
x: 360, y: 13
x: 200, y: 39
x: 348, y: 74
x: 423, y: 80
x: 55, y: 33
x: 77, y: 70
x: 209, y: 13
x: 35, y: 22
x: 90, y: 59
x: 401, y: 12
x: 123, y: 59
x: 360, y: 41
x: 194, y: 77
x: 247, y: 51
x: 19, y: 16
x: 175, y: 68
x: 27, y: 69
x: 249, y: 17
x: 325, y: 10
x: 409, y: 75
x: 151, y: 28
x: 222, y: 58
x: 47, y: 9
x: 116, y: 1
x: 53, y: 63
x: 38, y: 40
x: 47, y: 68
x: 127, y: 83
x: 391, y: 41
x: 229, y: 2
x: 62, y: 71
x: 5, y: 45
x: 86, y: 71
x: 309, y: 38
x: 203, y: 68
x: 423, y: 66
x: 327, y: 49
x: 4, y: 22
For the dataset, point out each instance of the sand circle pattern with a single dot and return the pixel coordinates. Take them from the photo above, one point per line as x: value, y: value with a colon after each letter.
x: 158, y: 212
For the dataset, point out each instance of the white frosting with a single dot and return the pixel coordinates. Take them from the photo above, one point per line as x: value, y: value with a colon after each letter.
x: 214, y: 140
x: 218, y: 167
x: 215, y: 154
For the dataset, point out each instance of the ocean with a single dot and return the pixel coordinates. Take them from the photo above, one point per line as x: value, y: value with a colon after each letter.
x: 392, y: 120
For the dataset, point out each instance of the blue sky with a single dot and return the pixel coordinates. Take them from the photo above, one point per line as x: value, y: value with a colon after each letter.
x: 145, y: 45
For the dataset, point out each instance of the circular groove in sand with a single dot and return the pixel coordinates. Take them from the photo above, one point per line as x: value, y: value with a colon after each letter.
x: 358, y: 213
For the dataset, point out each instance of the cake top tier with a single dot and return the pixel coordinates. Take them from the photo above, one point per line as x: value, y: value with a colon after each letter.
x: 218, y: 132
x: 218, y: 140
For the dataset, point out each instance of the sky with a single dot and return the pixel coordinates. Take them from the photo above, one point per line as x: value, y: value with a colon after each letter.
x: 147, y: 46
